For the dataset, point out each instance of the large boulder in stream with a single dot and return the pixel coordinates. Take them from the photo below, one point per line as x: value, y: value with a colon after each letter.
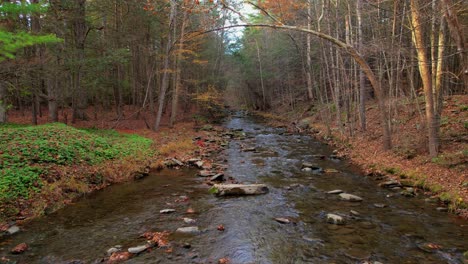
x: 239, y: 189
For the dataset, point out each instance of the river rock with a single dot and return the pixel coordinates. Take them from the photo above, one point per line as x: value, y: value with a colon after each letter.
x: 199, y: 164
x: 335, y: 192
x: 442, y: 209
x: 239, y: 189
x: 206, y: 173
x: 167, y: 211
x: 350, y: 197
x: 189, y: 220
x: 282, y: 220
x: 329, y: 170
x: 335, y: 219
x: 408, y: 192
x: 192, y: 230
x: 249, y: 149
x: 355, y: 213
x: 112, y: 250
x: 380, y: 205
x: 390, y: 184
x: 13, y: 230
x: 20, y: 248
x: 217, y: 177
x: 138, y: 249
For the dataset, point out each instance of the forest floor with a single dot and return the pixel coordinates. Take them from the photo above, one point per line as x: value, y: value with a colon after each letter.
x: 445, y: 176
x: 46, y: 167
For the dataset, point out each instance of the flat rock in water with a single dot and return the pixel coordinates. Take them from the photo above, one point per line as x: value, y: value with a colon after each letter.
x: 138, y: 249
x: 380, y: 205
x: 329, y: 170
x: 390, y: 184
x: 206, y: 173
x: 240, y: 189
x: 335, y: 219
x: 442, y: 209
x: 13, y: 230
x: 188, y: 230
x: 249, y: 149
x: 217, y: 177
x: 335, y: 192
x: 167, y: 211
x: 282, y: 220
x: 189, y: 220
x: 350, y: 197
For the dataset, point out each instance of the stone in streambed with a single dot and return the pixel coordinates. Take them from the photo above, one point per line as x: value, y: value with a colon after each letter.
x: 13, y: 230
x: 206, y: 173
x: 167, y: 211
x: 217, y: 177
x: 335, y: 192
x: 335, y: 219
x: 390, y: 184
x: 282, y: 220
x: 191, y: 230
x: 239, y: 189
x: 442, y: 209
x: 350, y: 197
x: 138, y: 249
x: 380, y: 205
x: 189, y: 220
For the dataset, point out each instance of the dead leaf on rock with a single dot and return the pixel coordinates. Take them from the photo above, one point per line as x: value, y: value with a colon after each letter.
x: 160, y: 239
x: 221, y: 228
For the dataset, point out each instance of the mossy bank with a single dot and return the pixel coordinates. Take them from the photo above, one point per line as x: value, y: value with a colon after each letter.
x: 45, y: 167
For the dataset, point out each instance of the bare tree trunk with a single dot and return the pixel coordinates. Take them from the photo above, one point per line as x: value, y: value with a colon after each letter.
x: 3, y: 105
x: 261, y: 75
x: 165, y: 78
x: 310, y: 93
x: 178, y: 79
x: 362, y: 77
x: 423, y: 62
x: 79, y: 34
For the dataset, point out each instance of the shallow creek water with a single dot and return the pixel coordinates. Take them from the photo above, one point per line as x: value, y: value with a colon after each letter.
x: 119, y: 214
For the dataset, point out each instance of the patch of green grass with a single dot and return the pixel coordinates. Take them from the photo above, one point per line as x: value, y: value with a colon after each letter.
x: 452, y: 160
x: 392, y: 170
x: 25, y: 152
x: 463, y: 108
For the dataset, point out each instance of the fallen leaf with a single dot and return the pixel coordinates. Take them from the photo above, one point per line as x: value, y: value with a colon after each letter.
x: 221, y: 228
x: 119, y: 257
x: 20, y: 248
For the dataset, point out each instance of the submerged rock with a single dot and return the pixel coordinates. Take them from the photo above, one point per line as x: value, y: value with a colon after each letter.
x: 206, y: 173
x: 193, y: 230
x: 189, y: 220
x: 335, y: 192
x: 335, y: 219
x: 350, y: 197
x: 239, y: 189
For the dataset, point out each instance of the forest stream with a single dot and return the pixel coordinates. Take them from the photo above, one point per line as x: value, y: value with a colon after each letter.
x: 385, y: 227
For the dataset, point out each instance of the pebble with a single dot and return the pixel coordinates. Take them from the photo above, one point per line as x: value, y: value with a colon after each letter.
x: 20, y: 248
x: 355, y: 213
x: 335, y: 192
